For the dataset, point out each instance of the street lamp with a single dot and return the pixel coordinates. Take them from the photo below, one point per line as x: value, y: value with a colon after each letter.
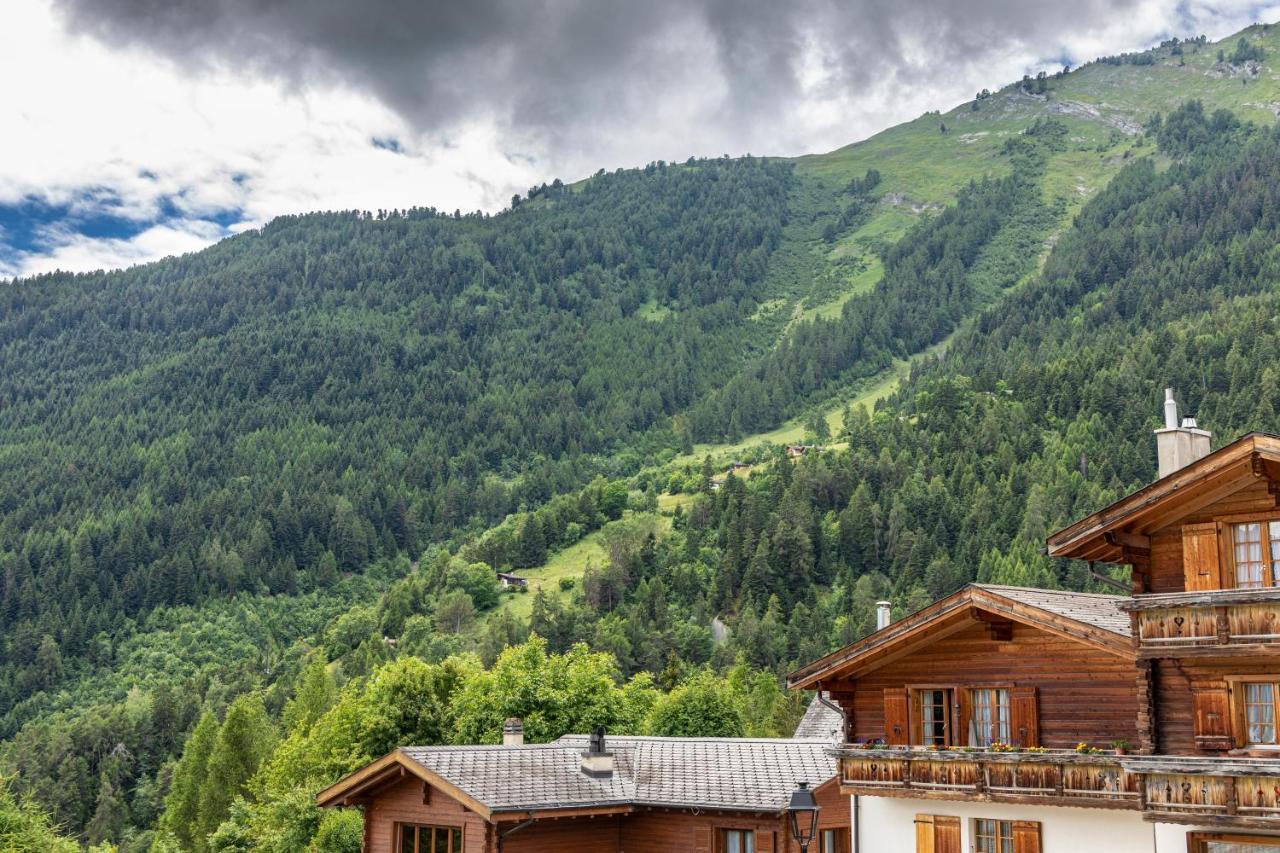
x: 803, y: 815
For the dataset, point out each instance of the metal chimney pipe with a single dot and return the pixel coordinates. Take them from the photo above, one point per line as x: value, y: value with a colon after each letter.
x: 884, y: 614
x: 1170, y: 410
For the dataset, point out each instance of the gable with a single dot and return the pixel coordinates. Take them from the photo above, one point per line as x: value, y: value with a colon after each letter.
x: 1091, y: 620
x: 1245, y: 473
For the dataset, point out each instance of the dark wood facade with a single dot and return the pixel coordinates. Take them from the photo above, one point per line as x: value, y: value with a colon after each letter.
x: 1076, y: 692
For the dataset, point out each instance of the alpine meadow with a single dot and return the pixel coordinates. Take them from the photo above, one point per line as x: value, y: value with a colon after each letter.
x: 255, y: 500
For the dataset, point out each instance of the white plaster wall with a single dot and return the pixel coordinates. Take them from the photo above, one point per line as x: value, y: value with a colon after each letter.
x: 888, y: 826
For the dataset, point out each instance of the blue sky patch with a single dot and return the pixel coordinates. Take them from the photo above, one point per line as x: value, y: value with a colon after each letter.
x: 35, y: 225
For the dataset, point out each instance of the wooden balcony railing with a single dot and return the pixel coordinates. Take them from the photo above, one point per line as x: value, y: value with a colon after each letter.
x: 1229, y: 792
x: 1063, y: 777
x: 1210, y: 791
x: 1191, y: 623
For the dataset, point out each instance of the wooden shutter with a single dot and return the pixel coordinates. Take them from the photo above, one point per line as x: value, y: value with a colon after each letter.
x: 962, y: 717
x: 1024, y: 718
x: 924, y: 833
x: 764, y: 842
x: 896, y: 723
x: 1026, y: 836
x: 936, y: 833
x: 946, y: 834
x: 1212, y: 716
x: 702, y: 839
x: 1201, y: 556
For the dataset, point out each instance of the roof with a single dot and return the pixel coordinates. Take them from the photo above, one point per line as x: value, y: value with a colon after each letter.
x: 1109, y: 534
x: 728, y: 774
x: 821, y: 722
x: 1092, y: 619
x: 1100, y: 611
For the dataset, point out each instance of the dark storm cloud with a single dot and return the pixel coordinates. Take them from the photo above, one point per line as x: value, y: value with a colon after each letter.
x: 560, y: 69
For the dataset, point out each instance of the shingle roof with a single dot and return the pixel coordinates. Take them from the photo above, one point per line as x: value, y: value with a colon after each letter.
x: 747, y: 774
x: 820, y: 722
x: 1100, y: 611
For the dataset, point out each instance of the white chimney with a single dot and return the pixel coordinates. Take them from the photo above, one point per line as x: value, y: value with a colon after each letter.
x: 1177, y: 446
x: 513, y: 732
x: 597, y: 761
x: 884, y: 614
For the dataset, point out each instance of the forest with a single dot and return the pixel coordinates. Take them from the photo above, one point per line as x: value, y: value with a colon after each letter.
x: 206, y: 729
x: 294, y: 404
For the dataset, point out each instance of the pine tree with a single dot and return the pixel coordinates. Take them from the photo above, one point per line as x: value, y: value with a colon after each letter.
x: 182, y: 806
x: 109, y: 815
x: 245, y: 739
x: 316, y: 694
x: 757, y: 581
x: 531, y: 546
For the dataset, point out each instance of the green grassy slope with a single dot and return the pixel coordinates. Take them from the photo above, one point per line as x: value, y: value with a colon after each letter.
x: 1104, y: 106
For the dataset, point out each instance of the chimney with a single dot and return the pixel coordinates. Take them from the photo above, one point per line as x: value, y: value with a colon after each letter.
x: 1177, y: 446
x: 884, y: 614
x: 513, y: 732
x: 597, y: 761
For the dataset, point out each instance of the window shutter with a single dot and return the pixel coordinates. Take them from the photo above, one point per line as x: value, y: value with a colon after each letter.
x: 1024, y: 719
x: 896, y: 726
x: 702, y: 839
x: 1212, y: 722
x: 764, y: 842
x: 1026, y: 836
x: 1201, y: 556
x: 946, y: 834
x: 924, y: 833
x: 936, y: 833
x: 963, y: 717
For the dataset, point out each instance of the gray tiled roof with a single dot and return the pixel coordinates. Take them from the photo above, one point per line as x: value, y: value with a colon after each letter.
x: 820, y: 722
x: 746, y: 774
x: 1100, y: 611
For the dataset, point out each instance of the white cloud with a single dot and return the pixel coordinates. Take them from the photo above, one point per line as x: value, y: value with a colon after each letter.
x: 97, y: 125
x: 85, y: 117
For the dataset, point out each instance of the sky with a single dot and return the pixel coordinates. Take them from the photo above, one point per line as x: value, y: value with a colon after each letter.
x: 135, y: 129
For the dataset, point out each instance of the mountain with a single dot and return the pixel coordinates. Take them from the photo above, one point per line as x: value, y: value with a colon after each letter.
x: 312, y: 439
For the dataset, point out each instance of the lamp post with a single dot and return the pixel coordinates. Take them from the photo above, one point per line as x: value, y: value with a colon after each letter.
x: 802, y: 813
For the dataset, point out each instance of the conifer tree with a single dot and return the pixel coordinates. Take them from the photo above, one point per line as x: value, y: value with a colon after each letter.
x: 243, y: 742
x: 316, y: 693
x: 182, y: 806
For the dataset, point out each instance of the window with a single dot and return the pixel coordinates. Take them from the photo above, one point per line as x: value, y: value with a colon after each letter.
x: 833, y: 841
x: 430, y: 839
x: 1257, y: 562
x: 1229, y: 842
x: 935, y: 717
x: 737, y: 841
x: 993, y: 836
x: 990, y: 716
x: 1260, y: 713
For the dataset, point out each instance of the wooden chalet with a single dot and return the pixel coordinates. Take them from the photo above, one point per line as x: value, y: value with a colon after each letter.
x: 633, y: 794
x: 507, y: 579
x: 1015, y: 720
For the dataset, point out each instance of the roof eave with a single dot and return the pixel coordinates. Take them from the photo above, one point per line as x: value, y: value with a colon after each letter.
x: 1086, y: 538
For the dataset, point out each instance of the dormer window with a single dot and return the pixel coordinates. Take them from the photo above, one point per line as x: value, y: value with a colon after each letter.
x: 1256, y: 552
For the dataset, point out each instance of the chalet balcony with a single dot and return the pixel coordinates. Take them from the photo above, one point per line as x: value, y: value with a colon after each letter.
x: 1214, y: 623
x: 1057, y: 777
x: 1228, y: 792
x: 1241, y: 792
